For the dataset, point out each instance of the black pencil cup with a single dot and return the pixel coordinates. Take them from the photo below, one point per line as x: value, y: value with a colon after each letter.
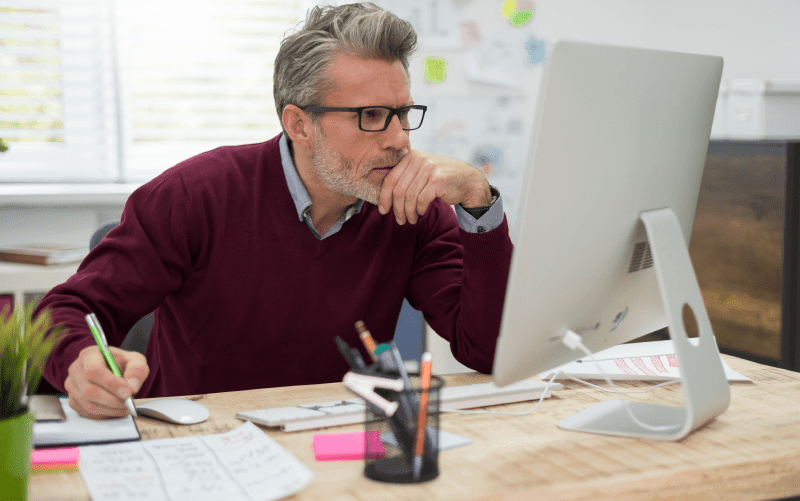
x: 391, y: 441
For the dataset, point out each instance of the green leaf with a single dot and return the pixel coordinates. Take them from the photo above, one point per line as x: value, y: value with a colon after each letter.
x: 25, y: 346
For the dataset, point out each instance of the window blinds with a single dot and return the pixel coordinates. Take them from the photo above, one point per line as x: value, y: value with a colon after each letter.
x: 119, y: 90
x: 194, y: 75
x: 57, y: 113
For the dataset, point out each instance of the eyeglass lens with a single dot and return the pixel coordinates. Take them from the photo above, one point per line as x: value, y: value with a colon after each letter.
x: 374, y: 119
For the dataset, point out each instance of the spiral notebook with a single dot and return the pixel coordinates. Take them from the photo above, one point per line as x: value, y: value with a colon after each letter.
x: 77, y: 430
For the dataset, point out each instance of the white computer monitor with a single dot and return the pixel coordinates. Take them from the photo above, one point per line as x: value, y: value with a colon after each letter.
x: 601, y: 245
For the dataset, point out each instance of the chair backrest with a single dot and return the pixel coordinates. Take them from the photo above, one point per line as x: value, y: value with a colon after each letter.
x: 137, y: 337
x: 100, y: 233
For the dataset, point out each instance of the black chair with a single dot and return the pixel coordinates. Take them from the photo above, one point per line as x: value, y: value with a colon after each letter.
x: 137, y: 337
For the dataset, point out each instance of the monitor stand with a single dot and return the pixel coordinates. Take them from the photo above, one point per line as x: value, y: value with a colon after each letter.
x: 705, y: 387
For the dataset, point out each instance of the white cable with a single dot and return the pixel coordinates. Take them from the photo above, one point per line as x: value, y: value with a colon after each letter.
x: 581, y: 381
x: 573, y: 340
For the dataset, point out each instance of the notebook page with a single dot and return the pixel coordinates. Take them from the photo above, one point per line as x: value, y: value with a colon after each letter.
x: 242, y: 464
x: 78, y: 430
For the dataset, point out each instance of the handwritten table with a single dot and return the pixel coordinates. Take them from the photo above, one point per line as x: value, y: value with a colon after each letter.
x: 751, y: 451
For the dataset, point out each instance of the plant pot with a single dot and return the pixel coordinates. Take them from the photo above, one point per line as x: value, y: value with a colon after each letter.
x: 15, y: 460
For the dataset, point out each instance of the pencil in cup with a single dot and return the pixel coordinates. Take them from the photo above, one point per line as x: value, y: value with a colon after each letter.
x: 366, y: 338
x: 419, y: 441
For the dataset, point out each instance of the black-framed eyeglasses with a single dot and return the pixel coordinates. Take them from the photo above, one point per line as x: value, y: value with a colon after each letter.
x: 377, y: 118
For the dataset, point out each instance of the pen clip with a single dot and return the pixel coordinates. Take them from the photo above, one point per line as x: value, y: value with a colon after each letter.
x: 93, y: 318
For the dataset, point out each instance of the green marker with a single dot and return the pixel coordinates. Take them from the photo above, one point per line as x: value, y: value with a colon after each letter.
x: 102, y: 343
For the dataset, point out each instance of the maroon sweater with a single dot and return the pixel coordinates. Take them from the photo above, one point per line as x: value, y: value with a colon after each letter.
x: 246, y: 297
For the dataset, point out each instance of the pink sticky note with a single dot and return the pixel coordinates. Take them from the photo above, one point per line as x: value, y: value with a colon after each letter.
x: 344, y: 446
x: 49, y: 459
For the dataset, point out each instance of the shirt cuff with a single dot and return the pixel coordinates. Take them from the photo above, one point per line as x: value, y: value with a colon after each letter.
x: 489, y: 221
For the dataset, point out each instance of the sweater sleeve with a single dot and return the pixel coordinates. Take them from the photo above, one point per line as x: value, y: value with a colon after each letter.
x: 459, y: 283
x: 127, y: 275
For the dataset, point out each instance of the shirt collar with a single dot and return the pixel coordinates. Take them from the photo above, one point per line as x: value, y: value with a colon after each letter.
x: 299, y: 194
x: 296, y: 188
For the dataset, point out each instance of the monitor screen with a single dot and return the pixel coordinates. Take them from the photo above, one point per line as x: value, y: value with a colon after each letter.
x: 620, y: 132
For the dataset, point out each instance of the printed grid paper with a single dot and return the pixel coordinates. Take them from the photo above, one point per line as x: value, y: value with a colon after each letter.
x: 650, y: 361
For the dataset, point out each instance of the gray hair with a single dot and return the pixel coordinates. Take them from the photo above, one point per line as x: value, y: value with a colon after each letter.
x: 363, y: 30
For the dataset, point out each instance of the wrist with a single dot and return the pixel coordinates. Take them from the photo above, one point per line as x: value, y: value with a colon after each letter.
x: 478, y: 200
x: 479, y: 211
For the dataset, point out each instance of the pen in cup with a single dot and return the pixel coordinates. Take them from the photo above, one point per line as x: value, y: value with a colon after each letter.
x: 102, y: 343
x: 425, y: 383
x: 398, y: 362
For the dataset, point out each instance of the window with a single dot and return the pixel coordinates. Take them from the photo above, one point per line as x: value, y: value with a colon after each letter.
x: 119, y: 90
x: 57, y: 113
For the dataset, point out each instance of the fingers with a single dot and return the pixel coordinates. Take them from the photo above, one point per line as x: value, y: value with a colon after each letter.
x: 133, y: 366
x: 420, y: 177
x: 403, y: 186
x: 405, y: 192
x: 385, y: 199
x: 91, y: 401
x: 94, y: 391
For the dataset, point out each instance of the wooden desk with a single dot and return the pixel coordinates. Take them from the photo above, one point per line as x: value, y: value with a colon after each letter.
x: 751, y: 451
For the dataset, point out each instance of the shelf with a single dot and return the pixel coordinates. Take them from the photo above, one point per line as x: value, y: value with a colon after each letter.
x: 44, y: 194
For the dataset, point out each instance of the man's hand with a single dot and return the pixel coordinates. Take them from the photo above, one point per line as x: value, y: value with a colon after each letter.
x: 420, y: 177
x: 95, y: 392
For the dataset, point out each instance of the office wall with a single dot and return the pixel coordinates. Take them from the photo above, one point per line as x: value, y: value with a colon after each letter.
x: 756, y: 38
x: 474, y: 111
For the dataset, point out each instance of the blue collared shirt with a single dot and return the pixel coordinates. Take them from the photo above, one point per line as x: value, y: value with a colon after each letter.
x: 302, y: 202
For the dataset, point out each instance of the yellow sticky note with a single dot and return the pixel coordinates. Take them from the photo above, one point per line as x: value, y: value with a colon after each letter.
x: 509, y: 6
x: 435, y: 69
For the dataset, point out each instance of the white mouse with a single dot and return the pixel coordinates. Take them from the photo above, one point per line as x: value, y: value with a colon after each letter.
x: 174, y: 410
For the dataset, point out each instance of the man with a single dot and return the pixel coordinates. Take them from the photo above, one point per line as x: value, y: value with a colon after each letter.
x: 255, y: 257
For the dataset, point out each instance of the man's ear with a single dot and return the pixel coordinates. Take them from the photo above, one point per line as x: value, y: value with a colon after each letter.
x: 297, y: 124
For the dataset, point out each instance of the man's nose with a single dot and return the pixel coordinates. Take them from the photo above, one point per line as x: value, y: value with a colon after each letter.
x: 394, y: 136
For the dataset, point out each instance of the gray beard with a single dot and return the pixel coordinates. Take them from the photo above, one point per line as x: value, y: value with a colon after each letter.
x: 342, y: 176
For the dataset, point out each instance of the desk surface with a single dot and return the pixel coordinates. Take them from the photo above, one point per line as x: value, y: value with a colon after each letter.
x: 751, y: 451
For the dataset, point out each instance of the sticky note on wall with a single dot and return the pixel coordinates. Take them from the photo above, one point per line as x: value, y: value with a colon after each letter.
x: 435, y: 69
x: 535, y: 50
x: 519, y: 13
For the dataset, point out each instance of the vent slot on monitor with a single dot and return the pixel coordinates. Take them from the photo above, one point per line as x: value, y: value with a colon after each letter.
x: 642, y: 257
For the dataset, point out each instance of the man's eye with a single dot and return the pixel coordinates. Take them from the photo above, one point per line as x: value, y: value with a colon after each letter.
x: 370, y: 113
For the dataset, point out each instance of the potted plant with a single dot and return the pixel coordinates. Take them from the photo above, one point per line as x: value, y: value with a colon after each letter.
x: 25, y: 346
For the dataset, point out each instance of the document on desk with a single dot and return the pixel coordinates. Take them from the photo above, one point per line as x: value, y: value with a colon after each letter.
x: 651, y: 361
x: 242, y: 464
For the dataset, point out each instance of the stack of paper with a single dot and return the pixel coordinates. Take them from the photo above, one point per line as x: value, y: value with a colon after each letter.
x: 242, y: 464
x: 53, y: 460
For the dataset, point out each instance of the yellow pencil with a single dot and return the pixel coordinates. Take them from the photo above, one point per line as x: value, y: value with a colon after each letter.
x: 366, y: 338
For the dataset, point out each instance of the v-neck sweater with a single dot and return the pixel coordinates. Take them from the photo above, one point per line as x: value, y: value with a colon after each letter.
x: 246, y: 297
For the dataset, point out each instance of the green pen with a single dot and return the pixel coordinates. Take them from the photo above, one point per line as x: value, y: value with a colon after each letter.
x: 102, y: 343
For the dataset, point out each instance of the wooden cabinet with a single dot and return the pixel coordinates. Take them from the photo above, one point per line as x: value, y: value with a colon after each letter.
x: 744, y: 248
